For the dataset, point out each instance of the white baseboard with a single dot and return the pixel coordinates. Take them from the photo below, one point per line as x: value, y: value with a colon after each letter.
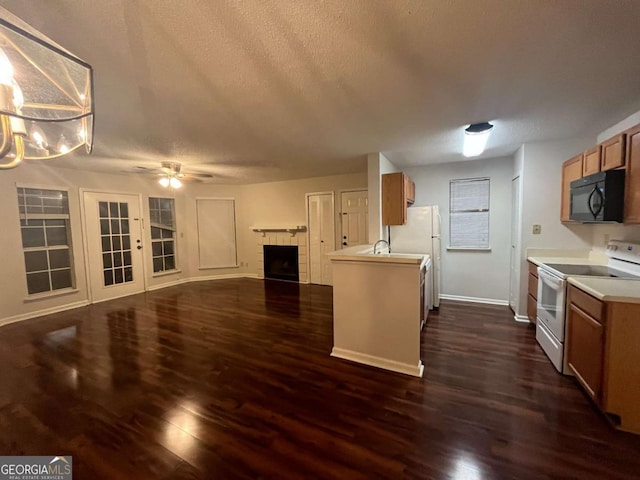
x: 45, y: 311
x: 413, y: 370
x: 488, y: 301
x: 216, y: 277
x: 172, y: 283
x: 521, y: 318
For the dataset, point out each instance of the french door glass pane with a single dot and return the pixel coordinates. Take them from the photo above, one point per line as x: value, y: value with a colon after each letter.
x: 116, y: 242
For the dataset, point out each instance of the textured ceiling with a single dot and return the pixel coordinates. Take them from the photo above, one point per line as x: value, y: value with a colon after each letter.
x: 257, y: 91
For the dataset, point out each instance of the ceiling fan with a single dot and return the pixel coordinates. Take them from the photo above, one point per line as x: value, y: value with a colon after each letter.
x: 171, y: 174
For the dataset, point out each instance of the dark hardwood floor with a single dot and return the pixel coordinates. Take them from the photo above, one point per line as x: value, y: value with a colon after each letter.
x: 233, y: 379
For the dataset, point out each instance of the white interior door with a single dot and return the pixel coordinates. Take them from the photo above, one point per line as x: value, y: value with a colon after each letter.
x: 114, y: 245
x: 321, y: 237
x: 514, y: 284
x: 355, y: 218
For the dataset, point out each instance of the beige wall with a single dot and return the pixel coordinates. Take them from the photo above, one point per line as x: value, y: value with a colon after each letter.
x: 283, y: 203
x: 280, y: 202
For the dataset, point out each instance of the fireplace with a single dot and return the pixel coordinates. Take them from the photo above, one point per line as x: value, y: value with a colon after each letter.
x: 281, y: 262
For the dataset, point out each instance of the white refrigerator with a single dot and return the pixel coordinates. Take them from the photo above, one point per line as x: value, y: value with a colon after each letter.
x: 421, y: 234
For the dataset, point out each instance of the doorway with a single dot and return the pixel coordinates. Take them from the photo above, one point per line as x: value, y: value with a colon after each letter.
x: 354, y: 218
x: 514, y: 284
x: 113, y: 229
x: 321, y: 236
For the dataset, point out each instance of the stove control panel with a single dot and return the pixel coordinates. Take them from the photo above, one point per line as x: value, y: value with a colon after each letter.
x: 622, y: 250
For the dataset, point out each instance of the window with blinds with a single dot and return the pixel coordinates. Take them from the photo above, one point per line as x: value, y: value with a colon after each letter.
x: 163, y: 234
x: 46, y: 239
x: 469, y: 213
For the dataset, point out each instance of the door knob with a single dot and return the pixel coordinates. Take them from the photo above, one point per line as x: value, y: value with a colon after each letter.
x: 139, y: 247
x: 344, y: 243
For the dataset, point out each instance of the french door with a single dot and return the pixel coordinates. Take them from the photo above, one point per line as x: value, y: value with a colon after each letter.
x: 114, y: 245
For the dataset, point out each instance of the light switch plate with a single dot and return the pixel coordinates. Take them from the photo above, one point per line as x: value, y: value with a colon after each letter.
x: 537, y: 229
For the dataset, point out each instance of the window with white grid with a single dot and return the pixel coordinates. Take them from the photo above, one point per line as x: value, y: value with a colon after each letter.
x: 46, y: 239
x: 469, y: 213
x: 163, y: 233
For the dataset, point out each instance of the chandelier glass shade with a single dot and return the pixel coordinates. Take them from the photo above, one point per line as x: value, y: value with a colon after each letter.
x: 46, y: 97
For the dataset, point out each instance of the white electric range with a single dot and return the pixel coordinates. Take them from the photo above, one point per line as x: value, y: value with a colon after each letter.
x: 623, y: 263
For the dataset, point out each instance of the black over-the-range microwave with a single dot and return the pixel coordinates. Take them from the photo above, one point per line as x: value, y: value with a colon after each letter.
x: 598, y: 197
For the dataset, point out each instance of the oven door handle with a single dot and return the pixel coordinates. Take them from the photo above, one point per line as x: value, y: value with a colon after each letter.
x: 590, y: 202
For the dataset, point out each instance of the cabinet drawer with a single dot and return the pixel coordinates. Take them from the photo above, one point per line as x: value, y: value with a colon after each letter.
x: 533, y: 286
x: 533, y: 269
x: 586, y: 303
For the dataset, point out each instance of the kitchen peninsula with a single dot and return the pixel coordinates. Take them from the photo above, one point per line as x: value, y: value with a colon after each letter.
x: 379, y: 305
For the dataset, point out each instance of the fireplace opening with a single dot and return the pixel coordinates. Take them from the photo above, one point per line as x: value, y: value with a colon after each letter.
x: 281, y: 262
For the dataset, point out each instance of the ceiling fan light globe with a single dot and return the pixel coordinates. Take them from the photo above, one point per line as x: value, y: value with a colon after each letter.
x: 175, y: 183
x: 164, y: 181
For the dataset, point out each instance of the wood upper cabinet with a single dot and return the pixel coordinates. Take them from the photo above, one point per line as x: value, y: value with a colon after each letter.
x: 571, y: 170
x: 591, y: 161
x: 632, y: 180
x: 612, y: 154
x: 398, y: 192
x: 602, y: 350
x: 532, y: 296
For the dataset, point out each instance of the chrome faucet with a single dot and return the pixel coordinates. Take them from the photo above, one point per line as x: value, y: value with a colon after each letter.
x: 375, y: 246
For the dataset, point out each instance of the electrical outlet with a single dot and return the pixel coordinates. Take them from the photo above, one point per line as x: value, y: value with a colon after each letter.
x: 537, y: 229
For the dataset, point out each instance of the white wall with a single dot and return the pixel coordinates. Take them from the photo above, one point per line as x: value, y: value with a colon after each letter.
x: 541, y: 174
x: 377, y: 165
x: 472, y: 274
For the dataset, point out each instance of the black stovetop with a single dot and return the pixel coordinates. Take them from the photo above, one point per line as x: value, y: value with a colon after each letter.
x: 590, y: 270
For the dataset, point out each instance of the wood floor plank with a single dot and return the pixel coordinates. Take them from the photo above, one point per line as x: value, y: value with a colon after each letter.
x: 233, y: 379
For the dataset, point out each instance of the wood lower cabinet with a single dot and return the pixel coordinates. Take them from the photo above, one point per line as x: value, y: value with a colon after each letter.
x: 532, y: 295
x: 591, y: 161
x: 571, y: 170
x: 586, y: 351
x: 398, y: 193
x: 632, y: 176
x: 602, y: 351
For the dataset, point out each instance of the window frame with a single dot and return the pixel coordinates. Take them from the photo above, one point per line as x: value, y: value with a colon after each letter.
x: 470, y: 247
x: 68, y: 246
x: 162, y: 240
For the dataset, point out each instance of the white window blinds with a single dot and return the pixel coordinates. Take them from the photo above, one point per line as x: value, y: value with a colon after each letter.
x: 216, y: 232
x: 469, y: 213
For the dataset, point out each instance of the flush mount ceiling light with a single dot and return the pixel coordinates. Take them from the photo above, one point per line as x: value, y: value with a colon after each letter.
x: 46, y: 97
x: 475, y: 138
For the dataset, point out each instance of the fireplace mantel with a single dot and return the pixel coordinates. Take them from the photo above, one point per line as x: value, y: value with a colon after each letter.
x: 292, y: 229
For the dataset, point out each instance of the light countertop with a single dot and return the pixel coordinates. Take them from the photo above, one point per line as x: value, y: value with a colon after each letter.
x: 603, y: 288
x: 364, y: 253
x: 609, y: 289
x: 567, y: 260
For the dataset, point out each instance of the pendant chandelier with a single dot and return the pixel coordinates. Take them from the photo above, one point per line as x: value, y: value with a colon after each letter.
x: 46, y: 97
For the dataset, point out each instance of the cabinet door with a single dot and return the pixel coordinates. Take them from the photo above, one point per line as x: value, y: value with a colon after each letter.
x: 410, y: 191
x: 532, y: 309
x: 632, y: 187
x: 613, y: 153
x: 394, y: 208
x: 585, y: 350
x: 591, y: 162
x: 571, y: 170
